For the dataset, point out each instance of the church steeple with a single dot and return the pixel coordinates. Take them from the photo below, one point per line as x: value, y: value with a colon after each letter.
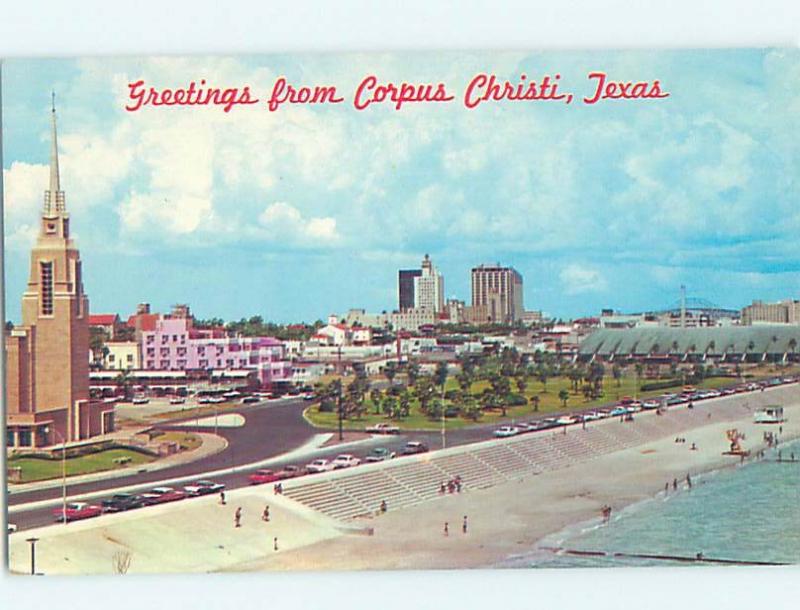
x: 54, y: 201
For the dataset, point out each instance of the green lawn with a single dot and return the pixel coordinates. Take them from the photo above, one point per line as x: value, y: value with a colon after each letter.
x: 548, y: 403
x: 39, y: 469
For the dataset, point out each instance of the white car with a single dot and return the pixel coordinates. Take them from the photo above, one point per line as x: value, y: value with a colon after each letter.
x: 591, y: 416
x: 566, y: 420
x: 177, y: 400
x: 651, y: 404
x: 345, y: 460
x: 12, y: 528
x: 320, y: 465
x: 140, y: 400
x: 506, y: 431
x: 382, y: 428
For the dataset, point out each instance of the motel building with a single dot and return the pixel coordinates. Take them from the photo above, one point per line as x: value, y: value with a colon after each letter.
x: 47, y: 369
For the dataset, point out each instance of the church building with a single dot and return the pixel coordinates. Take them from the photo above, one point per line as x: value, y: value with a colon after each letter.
x: 47, y: 357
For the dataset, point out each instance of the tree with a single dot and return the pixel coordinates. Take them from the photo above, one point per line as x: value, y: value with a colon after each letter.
x: 412, y: 371
x: 542, y: 374
x: 375, y: 396
x: 522, y: 385
x: 563, y: 395
x: 616, y: 372
x: 390, y: 371
x: 535, y: 400
x: 440, y: 375
x: 124, y: 381
x: 471, y: 409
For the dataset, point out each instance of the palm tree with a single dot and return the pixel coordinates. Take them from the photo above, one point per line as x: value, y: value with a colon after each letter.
x: 535, y: 400
x: 616, y: 373
x: 390, y: 371
x: 563, y: 395
x: 125, y: 382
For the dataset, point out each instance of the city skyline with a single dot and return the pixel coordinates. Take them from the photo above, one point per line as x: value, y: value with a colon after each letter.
x: 694, y: 190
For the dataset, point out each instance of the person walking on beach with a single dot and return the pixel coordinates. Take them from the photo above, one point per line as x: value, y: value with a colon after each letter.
x: 222, y: 498
x: 688, y: 480
x: 442, y: 488
x: 666, y: 487
x: 265, y: 514
x: 464, y: 525
x: 384, y: 507
x: 275, y: 543
x: 675, y: 483
x: 446, y: 529
x: 237, y: 517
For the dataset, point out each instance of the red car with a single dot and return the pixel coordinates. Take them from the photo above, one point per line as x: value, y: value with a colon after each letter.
x: 262, y: 476
x: 289, y: 472
x: 159, y: 495
x: 77, y: 510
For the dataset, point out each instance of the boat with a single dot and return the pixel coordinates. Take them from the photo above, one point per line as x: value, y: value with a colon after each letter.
x: 769, y: 415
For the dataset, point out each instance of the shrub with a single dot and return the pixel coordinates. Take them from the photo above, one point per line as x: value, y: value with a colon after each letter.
x: 516, y: 400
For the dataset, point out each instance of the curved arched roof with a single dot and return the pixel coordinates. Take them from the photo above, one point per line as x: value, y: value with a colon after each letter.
x: 715, y: 341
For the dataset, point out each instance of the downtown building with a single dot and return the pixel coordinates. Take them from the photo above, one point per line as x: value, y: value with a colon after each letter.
x: 47, y: 356
x: 496, y: 295
x: 174, y: 344
x: 421, y: 288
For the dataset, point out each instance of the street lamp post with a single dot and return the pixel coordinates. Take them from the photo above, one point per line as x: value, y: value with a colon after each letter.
x: 33, y: 542
x: 444, y: 426
x: 339, y: 409
x: 63, y: 474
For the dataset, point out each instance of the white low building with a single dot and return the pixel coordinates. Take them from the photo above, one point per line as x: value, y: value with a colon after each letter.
x: 122, y: 355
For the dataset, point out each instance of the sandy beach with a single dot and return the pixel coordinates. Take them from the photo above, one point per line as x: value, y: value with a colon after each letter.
x: 504, y: 520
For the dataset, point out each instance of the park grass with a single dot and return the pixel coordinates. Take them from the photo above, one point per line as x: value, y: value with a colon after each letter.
x: 549, y: 402
x: 40, y: 469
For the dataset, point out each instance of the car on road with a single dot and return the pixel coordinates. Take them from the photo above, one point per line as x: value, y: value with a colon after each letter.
x: 12, y: 527
x: 591, y: 416
x: 506, y: 431
x: 203, y: 487
x: 177, y: 400
x: 566, y: 420
x: 262, y: 476
x: 345, y: 460
x: 651, y: 404
x: 160, y: 495
x: 309, y: 396
x: 525, y: 427
x: 289, y: 472
x: 250, y: 399
x: 215, y: 400
x: 618, y: 411
x: 382, y: 428
x: 122, y: 501
x: 319, y: 465
x: 379, y: 454
x: 414, y: 447
x: 77, y: 510
x: 140, y: 400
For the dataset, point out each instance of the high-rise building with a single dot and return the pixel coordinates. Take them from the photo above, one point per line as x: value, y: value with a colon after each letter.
x: 47, y: 390
x: 429, y: 288
x: 405, y: 287
x: 497, y: 293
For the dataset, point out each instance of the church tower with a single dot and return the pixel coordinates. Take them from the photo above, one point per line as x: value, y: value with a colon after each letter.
x: 49, y: 353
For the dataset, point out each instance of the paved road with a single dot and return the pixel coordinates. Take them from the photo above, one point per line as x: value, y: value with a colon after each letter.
x: 271, y: 430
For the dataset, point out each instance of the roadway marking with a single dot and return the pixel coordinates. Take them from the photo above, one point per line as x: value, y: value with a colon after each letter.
x: 227, y: 420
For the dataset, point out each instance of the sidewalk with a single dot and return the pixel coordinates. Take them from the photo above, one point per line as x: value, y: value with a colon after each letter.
x: 211, y: 444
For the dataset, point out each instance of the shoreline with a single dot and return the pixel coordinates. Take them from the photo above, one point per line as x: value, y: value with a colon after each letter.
x: 550, y: 543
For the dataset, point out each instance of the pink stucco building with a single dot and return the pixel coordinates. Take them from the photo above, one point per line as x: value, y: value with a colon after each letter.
x: 175, y: 345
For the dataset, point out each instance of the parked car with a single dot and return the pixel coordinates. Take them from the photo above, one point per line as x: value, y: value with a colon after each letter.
x: 309, y: 396
x: 618, y: 411
x: 177, y: 400
x: 382, y: 428
x: 204, y: 487
x: 203, y: 400
x: 12, y: 527
x: 379, y: 454
x: 591, y: 416
x: 345, y: 460
x: 122, y: 501
x: 77, y: 510
x: 523, y: 427
x: 289, y: 472
x: 250, y: 399
x: 140, y: 400
x: 651, y: 404
x: 262, y: 476
x: 413, y: 447
x: 160, y: 495
x: 215, y: 400
x: 566, y: 420
x: 506, y: 431
x: 320, y: 465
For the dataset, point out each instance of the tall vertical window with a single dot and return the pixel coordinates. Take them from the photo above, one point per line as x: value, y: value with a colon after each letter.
x: 46, y: 287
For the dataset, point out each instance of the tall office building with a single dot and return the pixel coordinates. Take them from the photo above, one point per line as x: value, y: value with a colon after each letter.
x: 47, y: 357
x: 405, y: 287
x: 497, y: 293
x: 429, y: 288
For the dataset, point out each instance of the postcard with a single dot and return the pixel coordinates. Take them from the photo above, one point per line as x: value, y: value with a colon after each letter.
x: 401, y: 310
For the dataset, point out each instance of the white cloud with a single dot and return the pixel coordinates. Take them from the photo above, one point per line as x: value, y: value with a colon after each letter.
x: 24, y: 185
x: 285, y: 223
x: 577, y: 279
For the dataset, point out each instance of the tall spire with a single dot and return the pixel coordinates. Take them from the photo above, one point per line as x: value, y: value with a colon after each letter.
x: 54, y: 197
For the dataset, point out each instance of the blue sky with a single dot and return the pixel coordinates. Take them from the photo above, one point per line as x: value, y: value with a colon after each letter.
x: 311, y: 210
